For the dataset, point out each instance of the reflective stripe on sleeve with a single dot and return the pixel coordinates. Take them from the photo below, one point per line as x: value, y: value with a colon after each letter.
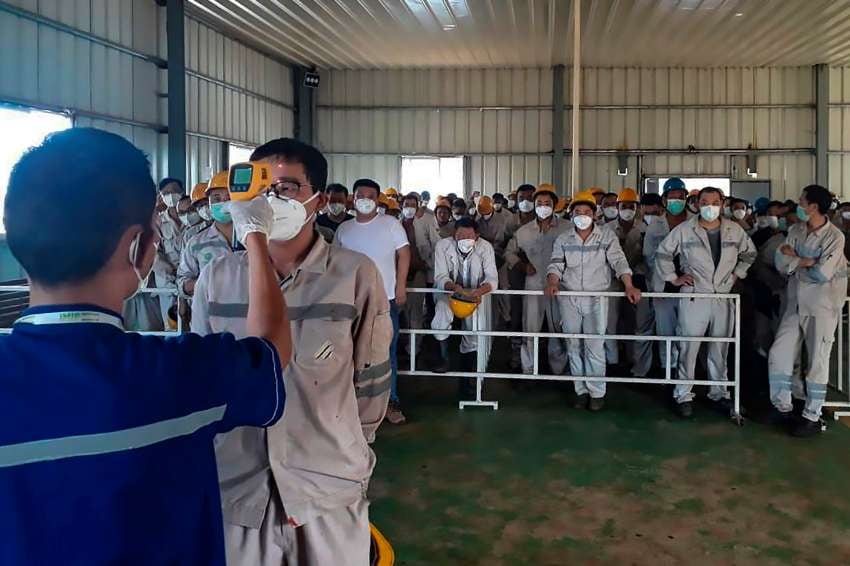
x: 108, y: 442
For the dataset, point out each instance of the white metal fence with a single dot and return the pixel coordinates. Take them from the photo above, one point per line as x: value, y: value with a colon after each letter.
x: 481, y: 373
x: 839, y: 371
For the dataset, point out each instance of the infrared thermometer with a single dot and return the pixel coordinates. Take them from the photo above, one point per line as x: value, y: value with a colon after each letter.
x: 247, y: 180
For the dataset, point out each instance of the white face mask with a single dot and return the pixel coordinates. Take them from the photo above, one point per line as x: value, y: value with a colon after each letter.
x: 511, y: 203
x: 473, y: 211
x: 289, y: 217
x: 381, y: 211
x: 543, y: 212
x: 739, y: 214
x: 762, y: 222
x: 134, y: 259
x: 365, y: 206
x: 649, y: 219
x: 457, y: 216
x: 408, y: 212
x: 772, y: 221
x: 184, y: 219
x: 582, y: 221
x: 497, y: 206
x: 845, y: 215
x: 204, y: 213
x: 171, y: 199
x: 627, y: 214
x: 336, y: 208
x: 526, y: 206
x: 487, y: 216
x: 709, y: 213
x: 465, y: 246
x: 610, y: 212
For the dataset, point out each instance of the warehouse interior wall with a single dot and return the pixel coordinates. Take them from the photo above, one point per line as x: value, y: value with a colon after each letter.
x: 233, y: 93
x: 502, y: 119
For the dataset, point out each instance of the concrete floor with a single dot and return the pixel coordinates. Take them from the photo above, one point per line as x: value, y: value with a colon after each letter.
x: 538, y: 482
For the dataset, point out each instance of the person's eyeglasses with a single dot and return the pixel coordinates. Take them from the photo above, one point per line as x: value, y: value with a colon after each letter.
x: 281, y: 188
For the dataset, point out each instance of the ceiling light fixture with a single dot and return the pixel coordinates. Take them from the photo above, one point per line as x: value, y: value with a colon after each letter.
x: 449, y: 27
x: 739, y: 14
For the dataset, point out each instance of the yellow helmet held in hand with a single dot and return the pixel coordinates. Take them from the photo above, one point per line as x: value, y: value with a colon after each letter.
x: 463, y: 305
x: 628, y: 195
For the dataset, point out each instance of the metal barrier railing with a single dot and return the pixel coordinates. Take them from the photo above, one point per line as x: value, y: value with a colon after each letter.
x: 838, y: 379
x: 481, y: 372
x: 146, y: 291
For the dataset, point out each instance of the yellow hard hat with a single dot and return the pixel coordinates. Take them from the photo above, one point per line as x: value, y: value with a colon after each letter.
x: 392, y: 204
x: 442, y: 201
x: 546, y: 189
x: 391, y: 192
x: 562, y: 204
x: 628, y: 195
x: 199, y: 192
x: 584, y: 197
x: 462, y: 306
x: 219, y: 181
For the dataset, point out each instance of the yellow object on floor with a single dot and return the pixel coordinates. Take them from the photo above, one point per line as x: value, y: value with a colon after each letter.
x: 382, y: 551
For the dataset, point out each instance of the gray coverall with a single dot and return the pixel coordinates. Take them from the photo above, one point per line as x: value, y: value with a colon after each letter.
x: 644, y: 316
x: 690, y: 242
x: 586, y: 266
x: 631, y: 247
x: 425, y: 236
x: 167, y: 260
x: 665, y: 311
x: 198, y: 252
x: 470, y: 272
x: 815, y: 297
x: 538, y: 309
x: 295, y: 493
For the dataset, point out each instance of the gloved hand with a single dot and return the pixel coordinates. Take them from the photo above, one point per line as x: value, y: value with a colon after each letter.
x: 251, y: 216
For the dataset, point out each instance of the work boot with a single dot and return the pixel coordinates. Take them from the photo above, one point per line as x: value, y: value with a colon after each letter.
x: 804, y: 428
x: 394, y: 414
x: 582, y: 401
x: 685, y: 410
x: 597, y: 404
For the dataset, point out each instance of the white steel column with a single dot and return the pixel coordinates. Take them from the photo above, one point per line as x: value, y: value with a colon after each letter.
x: 576, y: 97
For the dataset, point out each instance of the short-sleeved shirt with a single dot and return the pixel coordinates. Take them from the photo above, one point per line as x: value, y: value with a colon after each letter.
x: 326, y: 221
x: 378, y: 239
x: 106, y: 437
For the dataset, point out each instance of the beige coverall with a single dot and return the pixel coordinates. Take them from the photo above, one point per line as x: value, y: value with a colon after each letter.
x: 198, y: 252
x: 537, y: 247
x: 295, y: 493
x: 586, y: 266
x: 815, y: 297
x: 690, y: 242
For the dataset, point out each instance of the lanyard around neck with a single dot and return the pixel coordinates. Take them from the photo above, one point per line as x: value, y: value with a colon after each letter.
x: 71, y: 317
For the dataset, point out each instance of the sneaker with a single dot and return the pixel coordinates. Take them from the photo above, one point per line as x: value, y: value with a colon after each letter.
x: 685, y: 410
x: 582, y: 401
x: 394, y: 414
x: 804, y: 428
x: 597, y: 404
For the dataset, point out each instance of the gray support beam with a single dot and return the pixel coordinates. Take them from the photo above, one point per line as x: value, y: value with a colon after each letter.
x: 174, y: 29
x: 305, y: 105
x: 558, y: 129
x: 822, y: 125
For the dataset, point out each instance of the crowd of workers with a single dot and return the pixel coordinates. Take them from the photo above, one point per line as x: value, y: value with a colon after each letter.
x: 321, y: 276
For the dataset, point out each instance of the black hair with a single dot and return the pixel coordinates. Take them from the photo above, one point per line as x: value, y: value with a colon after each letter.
x: 820, y: 196
x: 366, y: 183
x: 843, y: 204
x: 651, y: 199
x: 709, y: 190
x: 167, y: 181
x: 525, y: 187
x: 791, y: 202
x: 414, y: 195
x: 294, y: 151
x: 336, y: 188
x: 466, y: 222
x: 735, y: 200
x: 105, y: 187
x: 498, y: 195
x: 459, y: 202
x: 606, y: 195
x: 773, y: 203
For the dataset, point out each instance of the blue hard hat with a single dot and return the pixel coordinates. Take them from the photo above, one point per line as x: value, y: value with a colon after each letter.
x: 761, y: 204
x: 426, y: 195
x: 674, y: 184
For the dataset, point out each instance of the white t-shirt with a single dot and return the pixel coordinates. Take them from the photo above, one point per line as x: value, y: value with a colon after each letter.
x: 377, y: 239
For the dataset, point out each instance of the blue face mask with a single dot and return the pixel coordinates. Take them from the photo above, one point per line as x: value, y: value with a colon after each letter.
x: 783, y: 224
x: 802, y: 214
x: 675, y: 206
x: 220, y: 212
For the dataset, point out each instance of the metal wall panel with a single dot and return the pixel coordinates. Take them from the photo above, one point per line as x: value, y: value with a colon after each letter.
x: 241, y: 94
x: 436, y: 111
x: 839, y: 131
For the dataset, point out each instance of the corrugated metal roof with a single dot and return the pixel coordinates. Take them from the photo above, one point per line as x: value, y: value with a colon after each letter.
x: 357, y: 34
